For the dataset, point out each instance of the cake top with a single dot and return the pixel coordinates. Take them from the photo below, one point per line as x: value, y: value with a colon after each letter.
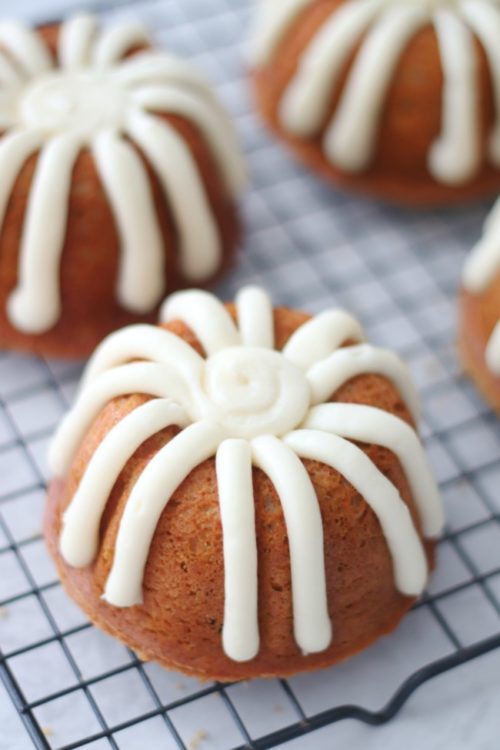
x: 107, y: 92
x: 383, y: 29
x: 246, y: 404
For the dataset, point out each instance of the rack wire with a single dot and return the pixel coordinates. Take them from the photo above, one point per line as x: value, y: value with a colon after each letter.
x: 311, y: 247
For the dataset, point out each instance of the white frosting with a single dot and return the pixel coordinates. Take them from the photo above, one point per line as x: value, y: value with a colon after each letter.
x: 481, y: 268
x: 304, y: 529
x: 351, y: 138
x: 80, y: 536
x: 240, y: 633
x: 149, y: 497
x: 366, y: 424
x: 205, y: 316
x: 75, y: 45
x: 492, y: 353
x: 245, y: 403
x: 410, y: 566
x: 329, y: 374
x: 483, y: 262
x: 255, y: 317
x: 456, y: 156
x: 384, y: 29
x: 484, y: 20
x: 93, y: 98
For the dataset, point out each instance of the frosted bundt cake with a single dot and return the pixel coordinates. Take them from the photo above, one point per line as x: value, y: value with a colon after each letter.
x: 479, y: 337
x: 119, y: 172
x: 399, y: 99
x: 241, y: 491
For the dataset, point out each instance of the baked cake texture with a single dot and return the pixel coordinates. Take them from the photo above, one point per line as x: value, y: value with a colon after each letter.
x: 479, y: 335
x: 241, y: 491
x: 119, y: 177
x: 396, y: 99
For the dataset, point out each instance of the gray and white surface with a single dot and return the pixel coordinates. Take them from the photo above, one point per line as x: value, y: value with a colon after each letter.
x: 311, y: 247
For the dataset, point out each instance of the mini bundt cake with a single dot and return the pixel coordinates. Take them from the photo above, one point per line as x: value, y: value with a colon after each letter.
x: 119, y: 172
x: 240, y: 491
x: 399, y: 99
x: 479, y: 335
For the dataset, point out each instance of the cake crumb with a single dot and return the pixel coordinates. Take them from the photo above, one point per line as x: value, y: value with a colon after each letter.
x: 48, y: 731
x: 4, y: 613
x: 180, y: 686
x: 278, y: 708
x: 197, y: 739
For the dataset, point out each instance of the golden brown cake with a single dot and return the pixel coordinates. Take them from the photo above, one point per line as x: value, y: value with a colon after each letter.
x: 240, y: 492
x: 479, y: 334
x: 398, y: 100
x: 119, y: 175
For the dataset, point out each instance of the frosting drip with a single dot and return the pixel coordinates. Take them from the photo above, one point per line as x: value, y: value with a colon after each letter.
x: 245, y: 404
x: 480, y: 269
x: 384, y: 29
x: 93, y: 98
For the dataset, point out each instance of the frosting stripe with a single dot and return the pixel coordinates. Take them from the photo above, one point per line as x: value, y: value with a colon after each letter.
x: 305, y: 102
x: 9, y: 75
x: 35, y: 304
x: 410, y: 566
x: 143, y: 342
x: 484, y: 259
x: 312, y: 627
x: 328, y: 375
x: 149, y: 497
x: 76, y: 37
x: 212, y: 123
x: 184, y: 189
x: 138, y: 377
x: 350, y: 140
x: 15, y: 148
x: 159, y: 68
x: 320, y: 336
x: 205, y: 316
x: 493, y: 351
x: 114, y: 43
x: 484, y: 20
x: 240, y: 633
x: 141, y: 279
x: 455, y: 156
x: 273, y: 19
x: 255, y: 317
x: 25, y: 47
x: 80, y: 532
x: 367, y: 424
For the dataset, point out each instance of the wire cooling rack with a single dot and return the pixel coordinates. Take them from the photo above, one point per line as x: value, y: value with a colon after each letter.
x: 311, y: 247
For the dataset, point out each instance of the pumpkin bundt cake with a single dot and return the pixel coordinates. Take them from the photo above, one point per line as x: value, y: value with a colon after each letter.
x: 241, y: 492
x: 119, y: 172
x: 399, y: 99
x: 479, y: 336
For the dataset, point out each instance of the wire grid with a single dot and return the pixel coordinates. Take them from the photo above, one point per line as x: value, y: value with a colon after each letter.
x: 311, y: 247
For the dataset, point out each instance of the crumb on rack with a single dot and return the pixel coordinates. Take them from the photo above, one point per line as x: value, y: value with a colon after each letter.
x: 180, y: 686
x: 197, y: 739
x: 47, y: 731
x: 278, y: 708
x: 4, y: 613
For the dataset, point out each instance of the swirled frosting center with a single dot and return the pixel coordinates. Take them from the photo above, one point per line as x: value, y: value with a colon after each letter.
x: 252, y: 391
x: 85, y: 102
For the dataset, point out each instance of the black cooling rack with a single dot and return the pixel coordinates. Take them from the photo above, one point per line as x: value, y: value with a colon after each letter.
x: 311, y: 247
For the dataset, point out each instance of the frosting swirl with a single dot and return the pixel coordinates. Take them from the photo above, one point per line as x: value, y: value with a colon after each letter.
x: 251, y: 391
